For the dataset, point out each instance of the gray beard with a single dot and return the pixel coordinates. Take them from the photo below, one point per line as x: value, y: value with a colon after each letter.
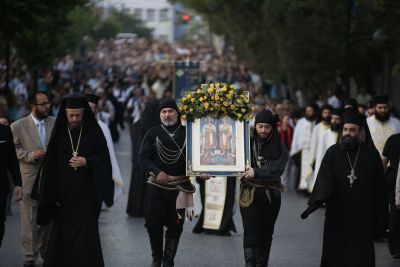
x: 169, y: 123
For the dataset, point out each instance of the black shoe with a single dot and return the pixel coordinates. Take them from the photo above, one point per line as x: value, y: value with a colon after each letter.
x: 250, y: 256
x: 156, y: 251
x: 171, y: 246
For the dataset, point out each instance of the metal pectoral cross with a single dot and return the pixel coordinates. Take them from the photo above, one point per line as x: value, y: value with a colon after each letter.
x: 352, y: 177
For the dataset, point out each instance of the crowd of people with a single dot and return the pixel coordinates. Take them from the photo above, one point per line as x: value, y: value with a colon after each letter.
x: 130, y: 84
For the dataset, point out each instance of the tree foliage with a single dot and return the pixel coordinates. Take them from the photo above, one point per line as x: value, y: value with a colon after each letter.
x: 309, y: 42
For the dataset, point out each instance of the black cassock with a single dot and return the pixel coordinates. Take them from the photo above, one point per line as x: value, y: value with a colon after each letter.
x: 355, y: 214
x: 71, y: 198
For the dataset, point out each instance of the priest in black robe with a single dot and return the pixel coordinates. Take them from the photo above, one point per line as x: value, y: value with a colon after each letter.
x: 351, y: 183
x: 73, y: 180
x: 227, y: 224
x: 149, y: 119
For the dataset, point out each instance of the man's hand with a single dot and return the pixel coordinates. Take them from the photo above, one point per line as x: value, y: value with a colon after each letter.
x: 205, y: 176
x: 77, y: 162
x: 18, y: 192
x: 162, y: 178
x: 38, y: 154
x: 249, y: 173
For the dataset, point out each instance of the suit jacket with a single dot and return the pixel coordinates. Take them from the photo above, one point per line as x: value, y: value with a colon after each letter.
x: 27, y: 141
x: 8, y: 160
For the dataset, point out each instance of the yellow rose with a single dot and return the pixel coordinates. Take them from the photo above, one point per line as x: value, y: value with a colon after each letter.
x: 206, y: 105
x: 184, y: 100
x: 205, y: 97
x: 252, y: 108
x: 191, y: 110
x: 216, y: 97
x: 201, y: 99
x: 217, y: 92
x: 212, y: 85
x: 242, y: 96
x: 224, y: 89
x: 229, y: 96
x: 239, y: 115
x: 192, y: 99
x: 231, y: 92
x: 233, y: 107
x: 184, y: 107
x: 211, y: 109
x: 198, y: 91
x: 251, y: 116
x: 189, y: 96
x: 212, y: 97
x: 221, y: 99
x: 216, y: 105
x: 225, y: 103
x: 217, y: 85
x: 247, y: 101
x: 239, y: 101
x: 183, y: 117
x: 243, y: 110
x: 232, y: 87
x: 210, y: 90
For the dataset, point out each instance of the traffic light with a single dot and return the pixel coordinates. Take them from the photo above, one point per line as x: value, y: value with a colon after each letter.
x: 185, y: 18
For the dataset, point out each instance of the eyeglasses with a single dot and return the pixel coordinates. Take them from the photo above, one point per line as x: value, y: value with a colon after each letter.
x: 45, y: 104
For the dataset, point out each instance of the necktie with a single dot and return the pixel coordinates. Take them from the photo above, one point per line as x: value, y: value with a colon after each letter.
x: 42, y: 134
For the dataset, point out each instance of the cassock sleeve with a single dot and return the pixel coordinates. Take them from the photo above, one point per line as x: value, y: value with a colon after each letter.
x: 99, y: 165
x: 323, y: 186
x: 381, y: 201
x: 296, y: 145
x: 146, y: 155
x: 12, y: 160
x: 275, y: 170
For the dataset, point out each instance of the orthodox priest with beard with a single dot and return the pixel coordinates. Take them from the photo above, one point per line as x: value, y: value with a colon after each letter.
x: 169, y: 191
x: 260, y: 189
x: 350, y: 182
x: 317, y: 148
x: 382, y: 125
x: 73, y: 180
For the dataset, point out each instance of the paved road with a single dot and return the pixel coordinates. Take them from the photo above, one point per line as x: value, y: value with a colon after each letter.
x: 124, y: 239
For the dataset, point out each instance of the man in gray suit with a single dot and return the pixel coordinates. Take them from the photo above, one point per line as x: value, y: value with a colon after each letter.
x: 31, y: 136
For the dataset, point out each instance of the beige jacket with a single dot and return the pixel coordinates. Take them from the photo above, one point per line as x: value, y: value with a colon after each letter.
x: 398, y: 187
x: 26, y: 140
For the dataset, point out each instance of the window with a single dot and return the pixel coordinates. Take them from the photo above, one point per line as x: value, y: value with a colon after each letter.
x: 138, y: 13
x: 151, y: 14
x: 164, y: 14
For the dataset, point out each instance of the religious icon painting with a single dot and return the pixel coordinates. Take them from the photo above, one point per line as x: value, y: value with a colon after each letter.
x: 218, y: 146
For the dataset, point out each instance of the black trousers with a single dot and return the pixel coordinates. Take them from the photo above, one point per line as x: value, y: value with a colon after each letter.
x: 160, y: 212
x: 394, y: 224
x: 259, y: 219
x: 3, y: 210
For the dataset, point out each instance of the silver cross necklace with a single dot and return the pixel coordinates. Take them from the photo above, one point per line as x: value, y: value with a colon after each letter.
x: 352, y: 176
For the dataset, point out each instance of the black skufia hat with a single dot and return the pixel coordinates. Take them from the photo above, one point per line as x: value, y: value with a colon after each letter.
x: 168, y: 103
x: 353, y: 117
x: 266, y: 116
x: 381, y: 99
x: 337, y: 112
x: 75, y: 101
x: 92, y: 98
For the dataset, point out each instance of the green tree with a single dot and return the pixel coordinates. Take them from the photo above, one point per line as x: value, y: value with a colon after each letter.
x: 309, y: 42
